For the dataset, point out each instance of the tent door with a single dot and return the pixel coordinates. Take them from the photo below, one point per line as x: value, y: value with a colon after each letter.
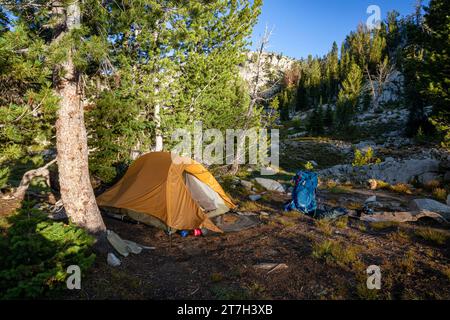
x: 205, y: 196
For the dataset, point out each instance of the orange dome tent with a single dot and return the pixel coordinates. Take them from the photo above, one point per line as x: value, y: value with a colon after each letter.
x: 168, y: 191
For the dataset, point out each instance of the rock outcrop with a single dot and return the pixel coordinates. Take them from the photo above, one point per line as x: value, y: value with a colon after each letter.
x: 392, y: 172
x: 431, y: 205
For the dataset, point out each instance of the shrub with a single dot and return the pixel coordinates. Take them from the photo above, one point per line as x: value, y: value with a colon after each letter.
x: 378, y: 184
x: 36, y: 253
x: 362, y: 159
x: 309, y: 166
x: 440, y: 194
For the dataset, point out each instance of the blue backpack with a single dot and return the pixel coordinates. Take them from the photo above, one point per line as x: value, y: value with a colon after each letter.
x: 304, y: 193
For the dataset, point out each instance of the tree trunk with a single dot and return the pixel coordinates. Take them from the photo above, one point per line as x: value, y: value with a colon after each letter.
x: 159, y: 145
x: 71, y: 141
x: 254, y: 96
x: 372, y: 87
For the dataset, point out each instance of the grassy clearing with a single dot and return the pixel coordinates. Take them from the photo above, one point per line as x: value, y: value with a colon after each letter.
x: 432, y: 235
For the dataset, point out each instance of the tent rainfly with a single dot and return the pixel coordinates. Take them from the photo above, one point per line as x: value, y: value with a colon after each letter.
x: 169, y: 192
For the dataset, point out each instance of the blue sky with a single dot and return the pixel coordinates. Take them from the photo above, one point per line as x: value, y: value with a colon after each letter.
x: 302, y: 27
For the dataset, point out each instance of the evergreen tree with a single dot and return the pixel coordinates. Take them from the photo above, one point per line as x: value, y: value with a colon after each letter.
x: 284, y: 105
x: 411, y: 66
x: 302, y: 89
x: 344, y: 62
x: 393, y: 37
x: 314, y: 83
x: 216, y: 39
x: 27, y: 104
x: 69, y: 51
x: 437, y: 64
x: 328, y: 119
x: 333, y: 71
x: 138, y: 67
x: 315, y: 123
x: 349, y: 95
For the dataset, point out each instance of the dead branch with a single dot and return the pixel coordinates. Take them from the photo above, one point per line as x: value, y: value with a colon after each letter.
x: 19, y: 193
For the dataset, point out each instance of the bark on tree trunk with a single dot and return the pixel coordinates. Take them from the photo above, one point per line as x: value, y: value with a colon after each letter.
x: 159, y: 144
x: 71, y: 141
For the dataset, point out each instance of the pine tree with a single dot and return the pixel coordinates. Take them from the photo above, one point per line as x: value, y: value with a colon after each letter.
x: 411, y: 66
x: 216, y: 39
x: 315, y: 123
x: 393, y: 38
x: 67, y: 48
x: 139, y: 68
x: 344, y: 62
x: 349, y: 95
x: 333, y: 63
x: 27, y: 104
x: 328, y: 119
x: 302, y: 88
x: 284, y: 105
x: 437, y: 65
x: 315, y: 78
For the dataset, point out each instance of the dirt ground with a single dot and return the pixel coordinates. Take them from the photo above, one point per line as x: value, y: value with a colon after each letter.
x: 325, y: 260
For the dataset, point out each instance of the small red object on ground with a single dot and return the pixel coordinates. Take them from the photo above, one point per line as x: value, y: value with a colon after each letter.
x: 197, y: 232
